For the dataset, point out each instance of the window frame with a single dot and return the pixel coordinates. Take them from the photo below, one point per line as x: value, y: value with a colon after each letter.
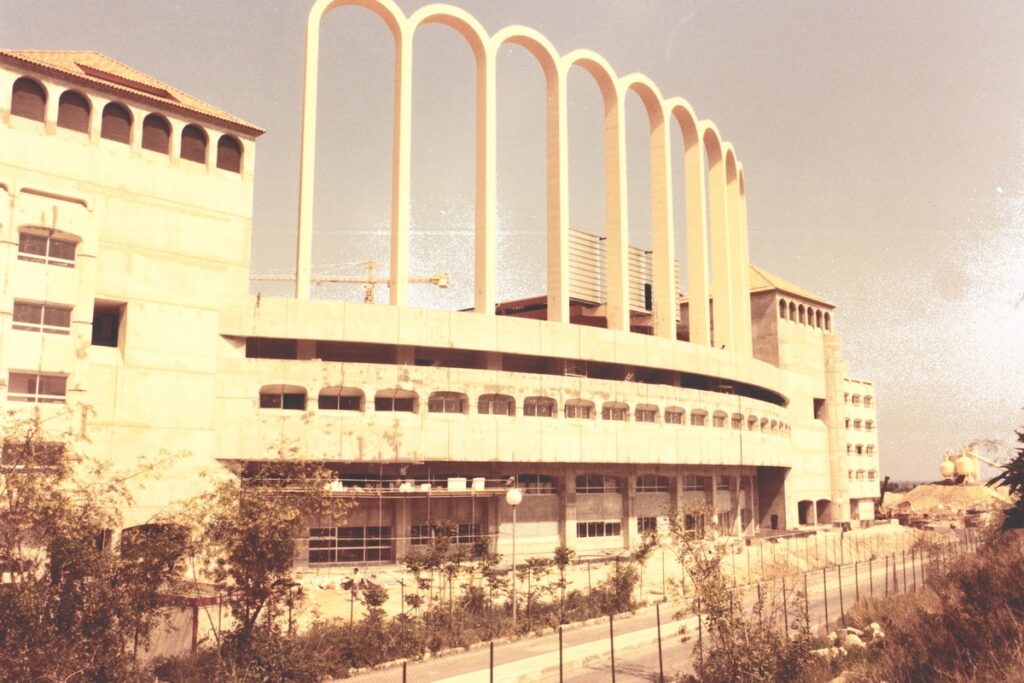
x: 42, y: 326
x: 280, y: 391
x: 649, y: 482
x: 535, y: 406
x: 37, y: 394
x: 373, y: 544
x: 597, y: 483
x: 447, y: 403
x: 606, y: 528
x: 485, y: 404
x: 47, y: 258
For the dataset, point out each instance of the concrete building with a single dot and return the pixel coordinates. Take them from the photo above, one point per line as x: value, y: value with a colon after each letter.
x: 610, y: 400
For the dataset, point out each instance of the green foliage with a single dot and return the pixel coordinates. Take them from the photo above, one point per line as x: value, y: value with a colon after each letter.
x: 1013, y: 478
x: 250, y: 530
x: 71, y: 605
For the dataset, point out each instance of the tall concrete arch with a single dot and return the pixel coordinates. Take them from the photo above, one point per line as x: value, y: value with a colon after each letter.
x: 395, y: 20
x: 615, y: 194
x: 557, y: 143
x: 485, y: 232
x: 664, y: 300
x: 722, y: 296
x: 696, y: 220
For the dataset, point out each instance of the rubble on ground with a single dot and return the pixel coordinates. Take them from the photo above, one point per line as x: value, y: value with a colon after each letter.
x: 933, y: 505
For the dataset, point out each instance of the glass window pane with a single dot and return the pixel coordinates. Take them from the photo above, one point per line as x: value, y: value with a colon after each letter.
x: 62, y: 249
x: 32, y: 244
x: 57, y: 316
x: 21, y: 383
x: 51, y: 385
x: 294, y: 401
x: 270, y: 400
x: 28, y: 313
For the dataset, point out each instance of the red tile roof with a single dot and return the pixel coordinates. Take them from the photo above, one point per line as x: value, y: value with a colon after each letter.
x: 96, y: 69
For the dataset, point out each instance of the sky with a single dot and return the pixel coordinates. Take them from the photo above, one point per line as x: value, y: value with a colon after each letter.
x: 882, y: 144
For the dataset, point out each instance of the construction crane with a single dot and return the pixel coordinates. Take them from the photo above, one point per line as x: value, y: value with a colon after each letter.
x: 369, y: 282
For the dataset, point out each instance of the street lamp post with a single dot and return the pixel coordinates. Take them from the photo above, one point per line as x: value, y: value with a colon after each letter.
x: 514, y: 497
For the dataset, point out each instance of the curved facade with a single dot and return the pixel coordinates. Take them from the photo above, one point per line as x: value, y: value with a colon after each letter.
x: 612, y: 402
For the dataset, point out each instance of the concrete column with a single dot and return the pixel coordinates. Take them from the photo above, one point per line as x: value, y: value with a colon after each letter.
x: 486, y: 186
x: 721, y: 256
x: 402, y: 527
x: 616, y: 209
x: 696, y: 234
x: 744, y: 256
x: 307, y: 163
x: 50, y: 109
x: 401, y: 170
x: 568, y: 516
x: 666, y: 306
x: 737, y: 265
x: 629, y: 510
x: 558, y: 194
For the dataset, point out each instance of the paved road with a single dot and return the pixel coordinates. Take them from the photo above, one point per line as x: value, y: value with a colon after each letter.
x: 586, y: 647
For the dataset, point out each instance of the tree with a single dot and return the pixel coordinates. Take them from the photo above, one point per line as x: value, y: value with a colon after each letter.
x: 564, y: 557
x: 1013, y: 478
x: 76, y: 601
x: 251, y: 526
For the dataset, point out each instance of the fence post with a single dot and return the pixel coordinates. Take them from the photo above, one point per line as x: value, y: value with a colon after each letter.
x: 611, y: 640
x: 785, y: 606
x: 856, y: 579
x: 887, y: 576
x: 405, y: 671
x: 871, y: 577
x: 904, y: 570
x: 700, y: 636
x: 895, y: 575
x: 561, y: 672
x: 492, y: 661
x: 807, y: 603
x: 842, y: 607
x: 661, y: 661
x: 824, y: 591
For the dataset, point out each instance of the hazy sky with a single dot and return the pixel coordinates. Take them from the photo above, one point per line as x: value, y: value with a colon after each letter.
x: 883, y: 145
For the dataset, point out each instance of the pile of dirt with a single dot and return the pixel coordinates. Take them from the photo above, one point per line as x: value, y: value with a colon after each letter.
x: 935, y: 497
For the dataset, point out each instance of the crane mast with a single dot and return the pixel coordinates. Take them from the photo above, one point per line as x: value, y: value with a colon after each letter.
x: 369, y: 281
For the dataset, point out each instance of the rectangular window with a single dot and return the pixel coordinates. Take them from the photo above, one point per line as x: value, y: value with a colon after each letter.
x: 697, y: 419
x: 596, y: 483
x: 694, y: 483
x: 819, y: 409
x: 737, y: 422
x: 538, y: 408
x: 46, y: 249
x: 673, y: 417
x: 651, y: 483
x: 535, y: 484
x: 37, y: 388
x: 598, y: 529
x: 575, y: 368
x: 725, y: 520
x: 49, y: 318
x: 35, y: 453
x: 333, y: 545
x: 496, y: 405
x: 724, y: 483
x: 647, y: 525
x: 446, y: 404
x: 106, y: 324
x: 718, y: 420
x: 694, y: 524
x: 282, y: 349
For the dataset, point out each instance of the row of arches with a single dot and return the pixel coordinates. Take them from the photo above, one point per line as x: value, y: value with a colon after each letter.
x: 805, y: 315
x: 75, y: 113
x: 295, y: 397
x: 866, y: 425
x: 860, y: 449
x: 714, y: 188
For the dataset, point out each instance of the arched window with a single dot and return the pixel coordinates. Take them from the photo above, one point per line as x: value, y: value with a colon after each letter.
x: 855, y: 399
x: 698, y: 418
x: 652, y: 483
x: 229, y: 154
x: 675, y: 416
x: 28, y: 99
x: 283, y: 396
x: 752, y: 423
x: 849, y: 449
x: 871, y: 475
x: 646, y: 413
x: 802, y: 313
x: 737, y: 421
x: 447, y: 402
x: 496, y: 404
x: 860, y: 475
x: 73, y: 112
x: 718, y: 419
x: 782, y: 308
x: 539, y: 406
x: 775, y: 427
x: 764, y: 424
x: 792, y: 311
x: 395, y: 401
x: 867, y: 401
x: 828, y: 322
x: 869, y: 425
x: 116, y: 124
x: 856, y: 424
x: 193, y: 144
x: 340, y: 398
x: 817, y: 319
x: 156, y: 134
x: 578, y: 408
x: 614, y: 410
